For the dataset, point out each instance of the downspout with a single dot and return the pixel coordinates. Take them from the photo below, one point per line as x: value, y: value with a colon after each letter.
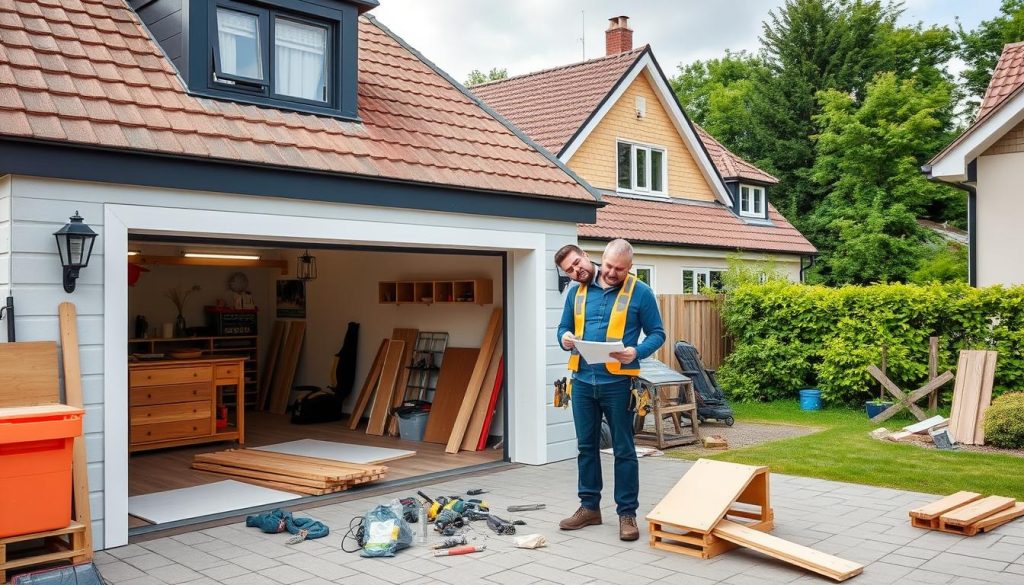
x: 804, y: 268
x: 7, y: 311
x: 972, y: 216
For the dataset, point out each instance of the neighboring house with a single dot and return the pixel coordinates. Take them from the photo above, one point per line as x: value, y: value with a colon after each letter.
x: 683, y: 200
x: 187, y: 132
x: 987, y: 161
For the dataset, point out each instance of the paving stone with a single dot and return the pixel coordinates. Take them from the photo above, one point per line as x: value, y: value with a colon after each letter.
x: 143, y: 580
x: 149, y: 560
x: 120, y: 571
x: 174, y: 574
x: 511, y: 578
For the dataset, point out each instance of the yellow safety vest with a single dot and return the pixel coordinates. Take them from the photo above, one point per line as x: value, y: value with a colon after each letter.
x: 616, y: 325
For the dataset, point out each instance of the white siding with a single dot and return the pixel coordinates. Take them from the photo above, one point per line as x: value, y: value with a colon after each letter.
x: 997, y: 226
x: 40, y: 207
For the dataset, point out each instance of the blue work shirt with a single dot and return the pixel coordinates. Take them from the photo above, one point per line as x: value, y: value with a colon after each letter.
x: 642, y: 315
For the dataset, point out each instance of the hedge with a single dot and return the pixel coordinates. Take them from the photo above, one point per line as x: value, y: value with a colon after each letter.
x: 1004, y: 421
x: 792, y: 336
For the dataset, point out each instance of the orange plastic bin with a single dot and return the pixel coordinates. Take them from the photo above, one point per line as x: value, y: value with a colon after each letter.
x: 35, y: 467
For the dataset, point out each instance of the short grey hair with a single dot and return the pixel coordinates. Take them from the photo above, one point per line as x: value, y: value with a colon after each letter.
x: 619, y: 247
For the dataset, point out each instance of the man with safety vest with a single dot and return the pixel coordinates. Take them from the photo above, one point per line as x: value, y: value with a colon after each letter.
x: 608, y: 304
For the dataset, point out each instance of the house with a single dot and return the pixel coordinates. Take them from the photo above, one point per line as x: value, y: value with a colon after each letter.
x: 169, y: 128
x: 986, y: 162
x: 682, y: 199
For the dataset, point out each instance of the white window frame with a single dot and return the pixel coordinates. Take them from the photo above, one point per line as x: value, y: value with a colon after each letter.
x: 747, y: 198
x: 648, y: 267
x: 704, y: 272
x: 634, y: 188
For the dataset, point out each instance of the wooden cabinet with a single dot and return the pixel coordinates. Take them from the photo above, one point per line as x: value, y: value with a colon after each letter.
x: 425, y: 292
x: 234, y: 345
x: 174, y: 402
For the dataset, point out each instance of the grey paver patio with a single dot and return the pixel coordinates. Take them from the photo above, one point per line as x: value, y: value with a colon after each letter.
x: 860, y: 523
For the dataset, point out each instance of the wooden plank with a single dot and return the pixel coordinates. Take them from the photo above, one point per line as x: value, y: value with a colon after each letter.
x: 273, y: 354
x: 242, y: 472
x: 985, y: 398
x: 295, y: 466
x: 786, y: 551
x: 969, y: 375
x: 485, y: 431
x: 933, y: 370
x: 452, y: 381
x: 491, y: 336
x: 368, y: 385
x: 925, y: 425
x: 68, y: 320
x: 409, y: 336
x: 704, y: 494
x: 977, y: 510
x: 28, y: 373
x: 483, y: 402
x: 950, y: 502
x: 284, y: 373
x: 385, y: 387
x: 332, y: 463
x: 1000, y: 518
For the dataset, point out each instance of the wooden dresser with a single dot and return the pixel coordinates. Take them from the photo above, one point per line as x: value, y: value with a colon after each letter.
x: 174, y: 402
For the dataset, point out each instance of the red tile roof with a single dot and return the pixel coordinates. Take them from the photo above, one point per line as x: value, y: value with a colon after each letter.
x: 728, y: 164
x: 679, y: 222
x: 1006, y: 79
x: 86, y: 72
x: 551, y: 105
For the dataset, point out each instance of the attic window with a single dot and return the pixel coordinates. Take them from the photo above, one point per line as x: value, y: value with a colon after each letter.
x: 239, y: 56
x: 641, y: 169
x: 752, y: 201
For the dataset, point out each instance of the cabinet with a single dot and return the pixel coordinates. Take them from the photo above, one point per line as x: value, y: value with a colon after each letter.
x: 235, y: 345
x: 425, y: 292
x: 175, y: 402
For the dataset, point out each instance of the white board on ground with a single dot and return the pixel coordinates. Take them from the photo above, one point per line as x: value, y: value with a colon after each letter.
x: 203, y: 500
x: 346, y: 452
x: 926, y: 424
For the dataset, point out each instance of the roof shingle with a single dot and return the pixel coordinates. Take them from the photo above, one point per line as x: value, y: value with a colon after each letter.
x: 1007, y: 77
x: 119, y: 91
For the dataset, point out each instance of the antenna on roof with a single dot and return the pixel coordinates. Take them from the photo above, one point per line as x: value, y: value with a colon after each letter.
x: 583, y: 34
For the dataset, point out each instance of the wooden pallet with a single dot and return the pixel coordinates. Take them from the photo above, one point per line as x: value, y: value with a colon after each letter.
x: 966, y: 513
x: 63, y: 544
x: 282, y: 471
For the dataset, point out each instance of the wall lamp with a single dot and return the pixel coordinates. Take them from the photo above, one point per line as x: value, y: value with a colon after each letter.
x: 74, y: 243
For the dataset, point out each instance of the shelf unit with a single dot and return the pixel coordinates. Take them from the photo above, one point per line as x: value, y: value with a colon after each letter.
x: 241, y: 345
x: 427, y: 356
x: 478, y: 291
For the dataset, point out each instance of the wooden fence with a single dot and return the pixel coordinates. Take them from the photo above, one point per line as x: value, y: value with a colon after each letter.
x: 697, y: 320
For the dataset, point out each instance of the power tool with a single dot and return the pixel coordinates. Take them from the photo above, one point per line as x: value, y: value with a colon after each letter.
x: 448, y: 521
x: 432, y: 506
x: 500, y: 525
x: 640, y: 399
x: 563, y: 393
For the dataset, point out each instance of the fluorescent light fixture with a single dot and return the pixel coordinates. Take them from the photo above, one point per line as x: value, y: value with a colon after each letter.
x: 134, y: 252
x: 221, y: 256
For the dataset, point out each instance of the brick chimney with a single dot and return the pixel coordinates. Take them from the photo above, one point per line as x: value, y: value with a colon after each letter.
x: 619, y: 37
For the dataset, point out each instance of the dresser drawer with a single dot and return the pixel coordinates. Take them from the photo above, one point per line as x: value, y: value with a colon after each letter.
x: 170, y: 430
x: 170, y: 394
x: 160, y: 413
x: 227, y: 373
x: 161, y: 376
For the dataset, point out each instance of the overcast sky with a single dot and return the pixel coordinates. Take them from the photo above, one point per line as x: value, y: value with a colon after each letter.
x: 527, y: 35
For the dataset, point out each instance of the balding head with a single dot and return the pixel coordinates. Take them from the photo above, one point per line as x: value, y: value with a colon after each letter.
x: 616, y: 262
x: 620, y: 248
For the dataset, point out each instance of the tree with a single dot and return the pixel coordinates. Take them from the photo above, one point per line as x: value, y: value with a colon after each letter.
x: 476, y: 77
x: 980, y: 48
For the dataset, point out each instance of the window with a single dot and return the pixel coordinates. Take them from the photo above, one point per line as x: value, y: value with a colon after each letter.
x: 645, y: 274
x: 640, y: 168
x: 297, y: 69
x: 697, y: 280
x: 752, y: 201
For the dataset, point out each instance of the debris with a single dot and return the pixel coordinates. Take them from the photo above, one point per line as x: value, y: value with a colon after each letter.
x: 880, y: 433
x: 927, y: 424
x: 531, y: 541
x: 461, y: 550
x: 942, y: 439
x: 476, y: 492
x: 899, y: 436
x: 525, y: 508
x: 716, y: 442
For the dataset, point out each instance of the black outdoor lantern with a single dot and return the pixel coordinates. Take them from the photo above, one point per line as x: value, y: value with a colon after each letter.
x: 74, y: 242
x: 306, y: 269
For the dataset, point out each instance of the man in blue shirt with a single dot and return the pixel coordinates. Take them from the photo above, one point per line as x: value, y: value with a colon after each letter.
x: 607, y: 304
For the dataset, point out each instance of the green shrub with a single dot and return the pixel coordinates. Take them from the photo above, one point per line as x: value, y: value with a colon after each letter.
x: 1004, y: 421
x: 790, y: 336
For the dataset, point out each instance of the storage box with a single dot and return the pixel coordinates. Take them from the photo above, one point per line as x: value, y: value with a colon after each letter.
x: 35, y: 467
x: 224, y: 321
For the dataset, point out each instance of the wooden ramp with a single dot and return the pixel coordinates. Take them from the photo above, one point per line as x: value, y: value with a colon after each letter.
x: 717, y: 506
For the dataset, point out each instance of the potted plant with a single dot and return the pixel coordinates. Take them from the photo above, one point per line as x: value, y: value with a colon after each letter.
x: 875, y: 407
x: 179, y: 299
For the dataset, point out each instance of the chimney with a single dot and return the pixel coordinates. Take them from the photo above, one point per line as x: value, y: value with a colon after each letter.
x: 619, y: 37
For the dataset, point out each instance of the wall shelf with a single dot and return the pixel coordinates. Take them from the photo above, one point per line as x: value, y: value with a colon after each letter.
x: 425, y: 292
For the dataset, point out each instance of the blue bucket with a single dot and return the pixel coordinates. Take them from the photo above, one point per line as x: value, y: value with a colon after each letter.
x: 810, y: 399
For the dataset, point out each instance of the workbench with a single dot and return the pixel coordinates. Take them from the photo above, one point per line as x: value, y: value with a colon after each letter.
x: 672, y: 396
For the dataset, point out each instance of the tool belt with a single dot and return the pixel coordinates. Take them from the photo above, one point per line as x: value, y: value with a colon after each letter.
x: 639, y: 398
x: 563, y: 392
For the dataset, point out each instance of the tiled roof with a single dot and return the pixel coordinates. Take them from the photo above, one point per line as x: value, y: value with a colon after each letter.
x: 693, y: 224
x: 728, y: 164
x: 551, y: 105
x: 1007, y: 77
x: 86, y: 72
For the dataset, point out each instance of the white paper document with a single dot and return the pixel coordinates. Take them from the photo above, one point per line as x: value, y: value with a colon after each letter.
x: 596, y: 352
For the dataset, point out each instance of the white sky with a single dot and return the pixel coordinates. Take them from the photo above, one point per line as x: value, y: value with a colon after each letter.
x: 527, y: 35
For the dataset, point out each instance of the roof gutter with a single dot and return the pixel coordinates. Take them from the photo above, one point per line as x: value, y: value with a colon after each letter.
x: 972, y: 215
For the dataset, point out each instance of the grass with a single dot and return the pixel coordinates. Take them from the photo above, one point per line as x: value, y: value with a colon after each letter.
x: 843, y: 451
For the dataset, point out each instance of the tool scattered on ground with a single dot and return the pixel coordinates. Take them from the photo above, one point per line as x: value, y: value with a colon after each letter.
x: 448, y: 522
x: 279, y: 520
x: 451, y: 541
x: 460, y: 550
x: 526, y: 508
x: 476, y: 492
x: 500, y: 525
x: 563, y: 393
x: 531, y: 541
x: 433, y: 507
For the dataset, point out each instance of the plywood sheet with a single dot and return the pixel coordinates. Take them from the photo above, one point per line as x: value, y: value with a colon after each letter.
x: 950, y: 502
x: 284, y: 373
x: 203, y: 500
x: 409, y: 336
x: 452, y: 380
x: 28, y: 373
x: 786, y: 551
x: 273, y: 354
x: 973, y: 375
x: 346, y: 452
x: 977, y: 510
x: 704, y: 494
x: 483, y: 402
x: 491, y: 337
x: 368, y: 385
x: 985, y: 397
x: 385, y: 387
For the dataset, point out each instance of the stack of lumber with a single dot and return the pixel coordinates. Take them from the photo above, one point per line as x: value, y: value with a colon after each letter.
x: 384, y: 387
x: 281, y: 363
x: 966, y: 513
x: 971, y: 396
x: 290, y: 473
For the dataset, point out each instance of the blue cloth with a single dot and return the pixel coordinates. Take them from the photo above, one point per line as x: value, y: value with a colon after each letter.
x: 642, y: 315
x: 589, y: 402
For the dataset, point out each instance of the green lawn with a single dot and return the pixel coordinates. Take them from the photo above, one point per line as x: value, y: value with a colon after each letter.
x: 843, y: 451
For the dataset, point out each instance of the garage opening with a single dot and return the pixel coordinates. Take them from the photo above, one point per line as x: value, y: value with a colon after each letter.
x: 268, y: 367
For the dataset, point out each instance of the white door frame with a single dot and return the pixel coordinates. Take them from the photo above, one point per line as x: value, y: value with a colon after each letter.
x: 525, y: 316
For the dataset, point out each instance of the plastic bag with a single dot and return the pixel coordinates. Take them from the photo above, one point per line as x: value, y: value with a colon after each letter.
x: 386, y: 533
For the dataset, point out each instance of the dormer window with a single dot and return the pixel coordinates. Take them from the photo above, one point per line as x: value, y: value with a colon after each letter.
x: 752, y: 201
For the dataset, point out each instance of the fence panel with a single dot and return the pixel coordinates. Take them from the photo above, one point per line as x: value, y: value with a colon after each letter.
x: 696, y: 319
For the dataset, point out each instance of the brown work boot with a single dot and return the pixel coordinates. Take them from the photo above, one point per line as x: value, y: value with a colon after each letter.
x: 582, y: 518
x: 627, y: 528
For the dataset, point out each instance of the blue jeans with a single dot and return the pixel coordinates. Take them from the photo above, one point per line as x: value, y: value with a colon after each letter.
x: 589, y: 402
